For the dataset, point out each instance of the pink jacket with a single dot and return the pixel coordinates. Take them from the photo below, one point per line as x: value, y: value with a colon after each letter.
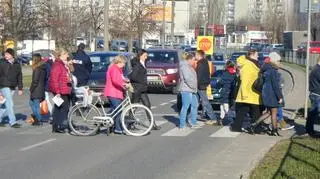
x: 115, y: 83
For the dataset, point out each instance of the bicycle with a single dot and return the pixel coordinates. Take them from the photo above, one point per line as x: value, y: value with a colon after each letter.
x: 92, y: 119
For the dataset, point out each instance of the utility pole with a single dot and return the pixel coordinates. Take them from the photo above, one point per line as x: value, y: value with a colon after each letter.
x: 106, y: 25
x: 163, y: 35
x: 173, y: 5
x: 308, y: 60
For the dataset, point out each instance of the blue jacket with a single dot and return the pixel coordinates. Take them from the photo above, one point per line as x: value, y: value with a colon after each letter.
x: 227, y: 87
x: 82, y: 68
x: 271, y: 90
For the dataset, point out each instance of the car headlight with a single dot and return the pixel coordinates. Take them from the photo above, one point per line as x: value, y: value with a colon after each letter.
x: 172, y: 71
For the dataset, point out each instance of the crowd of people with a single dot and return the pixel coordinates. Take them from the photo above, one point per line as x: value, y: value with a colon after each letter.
x: 253, y: 90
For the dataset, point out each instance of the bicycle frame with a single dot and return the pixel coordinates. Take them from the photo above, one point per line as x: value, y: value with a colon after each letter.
x: 126, y: 102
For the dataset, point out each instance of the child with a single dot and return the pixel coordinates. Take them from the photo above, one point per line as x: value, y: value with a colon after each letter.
x: 228, y: 80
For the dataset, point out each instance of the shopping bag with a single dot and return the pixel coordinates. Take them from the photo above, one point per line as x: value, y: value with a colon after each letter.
x: 44, y: 107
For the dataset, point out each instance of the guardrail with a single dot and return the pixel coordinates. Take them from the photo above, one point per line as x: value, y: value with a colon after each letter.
x: 300, y: 58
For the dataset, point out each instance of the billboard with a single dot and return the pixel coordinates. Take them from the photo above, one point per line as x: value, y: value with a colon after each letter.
x: 155, y: 13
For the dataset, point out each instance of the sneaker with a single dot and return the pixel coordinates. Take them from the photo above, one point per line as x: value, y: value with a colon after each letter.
x: 211, y: 122
x: 284, y: 126
x: 195, y: 126
x: 16, y: 125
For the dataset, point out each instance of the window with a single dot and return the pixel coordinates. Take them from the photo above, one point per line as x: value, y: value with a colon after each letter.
x: 163, y: 57
x: 101, y: 63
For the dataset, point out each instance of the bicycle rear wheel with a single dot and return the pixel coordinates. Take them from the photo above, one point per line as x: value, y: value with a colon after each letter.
x: 137, y: 120
x: 81, y: 120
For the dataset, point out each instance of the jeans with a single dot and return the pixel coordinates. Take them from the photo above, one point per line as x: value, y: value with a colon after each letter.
x: 60, y: 114
x: 187, y: 100
x: 207, y: 108
x: 115, y: 102
x: 35, y: 107
x: 224, y: 110
x: 314, y: 113
x: 280, y: 114
x: 8, y: 106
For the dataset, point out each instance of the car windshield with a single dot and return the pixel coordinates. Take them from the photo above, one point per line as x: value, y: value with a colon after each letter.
x: 100, y: 63
x: 315, y: 44
x: 279, y: 46
x: 236, y: 55
x: 122, y: 43
x: 163, y: 57
x: 218, y: 73
x: 218, y: 57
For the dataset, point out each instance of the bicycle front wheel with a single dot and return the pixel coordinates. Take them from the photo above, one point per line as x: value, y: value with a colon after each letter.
x: 81, y: 120
x: 137, y: 120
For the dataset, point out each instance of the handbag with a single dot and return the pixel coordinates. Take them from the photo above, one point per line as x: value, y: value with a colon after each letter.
x: 258, y: 83
x: 44, y: 107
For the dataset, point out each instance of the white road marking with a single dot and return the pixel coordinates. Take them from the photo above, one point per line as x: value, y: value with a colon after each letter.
x: 172, y: 114
x: 159, y: 123
x: 162, y: 104
x: 176, y: 132
x: 173, y: 101
x: 153, y: 107
x: 225, y: 132
x: 37, y: 144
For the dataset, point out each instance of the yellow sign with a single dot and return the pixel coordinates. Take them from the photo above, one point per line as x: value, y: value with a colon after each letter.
x: 9, y: 44
x: 206, y: 44
x: 155, y: 13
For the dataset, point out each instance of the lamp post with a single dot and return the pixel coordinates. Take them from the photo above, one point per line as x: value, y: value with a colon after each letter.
x: 106, y: 25
x: 163, y: 35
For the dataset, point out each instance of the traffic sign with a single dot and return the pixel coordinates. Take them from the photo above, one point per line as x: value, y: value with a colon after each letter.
x: 206, y: 44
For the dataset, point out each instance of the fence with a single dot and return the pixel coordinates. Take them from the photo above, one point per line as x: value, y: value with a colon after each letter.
x: 300, y: 58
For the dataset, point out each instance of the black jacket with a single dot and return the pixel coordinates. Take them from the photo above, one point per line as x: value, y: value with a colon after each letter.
x: 10, y: 75
x: 37, y: 87
x: 203, y: 74
x: 138, y: 76
x: 82, y: 68
x: 314, y: 80
x: 228, y: 83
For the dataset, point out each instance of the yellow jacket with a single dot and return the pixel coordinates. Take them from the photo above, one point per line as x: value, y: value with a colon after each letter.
x: 248, y: 74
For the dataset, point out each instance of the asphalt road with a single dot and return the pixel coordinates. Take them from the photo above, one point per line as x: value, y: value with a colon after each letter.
x: 36, y: 153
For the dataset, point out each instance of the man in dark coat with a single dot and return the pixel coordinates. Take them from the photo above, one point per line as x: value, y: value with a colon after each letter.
x: 138, y: 78
x: 10, y: 78
x: 204, y: 76
x: 82, y: 66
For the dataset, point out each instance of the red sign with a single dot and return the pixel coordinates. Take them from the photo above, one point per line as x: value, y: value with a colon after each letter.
x: 205, y: 44
x: 217, y: 29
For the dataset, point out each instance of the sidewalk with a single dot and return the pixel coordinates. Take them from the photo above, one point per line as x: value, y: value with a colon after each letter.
x: 245, y: 151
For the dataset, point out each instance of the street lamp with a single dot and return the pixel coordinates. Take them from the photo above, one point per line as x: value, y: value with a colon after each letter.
x: 163, y: 35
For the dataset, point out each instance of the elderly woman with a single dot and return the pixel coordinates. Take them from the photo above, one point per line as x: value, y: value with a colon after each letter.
x: 272, y: 96
x: 188, y: 90
x: 60, y: 84
x: 115, y: 86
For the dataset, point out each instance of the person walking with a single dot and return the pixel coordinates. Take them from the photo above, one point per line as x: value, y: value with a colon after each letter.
x: 203, y: 78
x: 60, y: 84
x: 82, y: 66
x: 272, y: 96
x: 10, y: 78
x: 247, y: 100
x: 48, y: 64
x: 227, y: 87
x: 188, y: 89
x: 313, y: 115
x: 138, y: 78
x: 115, y: 86
x: 37, y: 88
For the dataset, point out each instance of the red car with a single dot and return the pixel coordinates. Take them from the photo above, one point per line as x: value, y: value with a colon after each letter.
x: 162, y: 69
x: 314, y: 48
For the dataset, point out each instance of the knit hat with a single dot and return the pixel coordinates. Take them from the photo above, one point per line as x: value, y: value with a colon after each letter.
x: 274, y: 57
x: 10, y: 51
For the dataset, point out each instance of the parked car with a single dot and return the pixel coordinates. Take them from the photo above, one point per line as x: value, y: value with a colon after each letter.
x: 218, y: 57
x: 162, y: 69
x: 24, y: 59
x: 235, y: 55
x: 314, y: 49
x: 119, y: 45
x: 100, y: 63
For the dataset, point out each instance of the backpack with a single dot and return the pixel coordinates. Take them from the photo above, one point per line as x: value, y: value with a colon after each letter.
x: 258, y: 83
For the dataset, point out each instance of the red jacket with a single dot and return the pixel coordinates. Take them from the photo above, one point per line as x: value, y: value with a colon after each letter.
x: 60, y: 79
x: 115, y: 82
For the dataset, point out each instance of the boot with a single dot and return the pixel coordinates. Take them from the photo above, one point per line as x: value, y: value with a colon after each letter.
x: 275, y: 132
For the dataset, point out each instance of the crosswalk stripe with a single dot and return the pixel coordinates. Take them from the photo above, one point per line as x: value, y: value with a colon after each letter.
x: 225, y: 132
x: 178, y: 133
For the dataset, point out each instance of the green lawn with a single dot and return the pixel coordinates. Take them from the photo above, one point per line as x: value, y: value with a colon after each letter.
x: 297, y: 158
